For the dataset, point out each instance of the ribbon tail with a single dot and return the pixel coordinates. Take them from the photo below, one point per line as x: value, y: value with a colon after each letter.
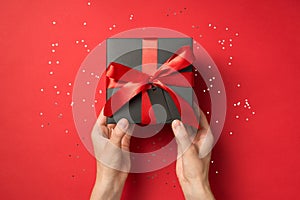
x: 147, y: 110
x: 185, y: 110
x: 187, y: 114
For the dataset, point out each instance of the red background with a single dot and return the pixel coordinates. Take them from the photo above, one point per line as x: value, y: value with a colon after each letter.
x: 260, y: 160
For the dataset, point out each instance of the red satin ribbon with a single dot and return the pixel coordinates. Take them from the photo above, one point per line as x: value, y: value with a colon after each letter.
x: 132, y: 82
x: 149, y: 66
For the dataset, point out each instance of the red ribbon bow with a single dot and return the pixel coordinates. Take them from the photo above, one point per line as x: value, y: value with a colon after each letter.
x: 132, y: 82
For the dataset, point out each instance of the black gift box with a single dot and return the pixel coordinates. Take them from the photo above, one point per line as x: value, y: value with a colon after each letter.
x: 128, y: 51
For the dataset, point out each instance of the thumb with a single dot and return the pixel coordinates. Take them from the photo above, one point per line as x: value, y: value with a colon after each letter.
x: 181, y: 135
x: 119, y: 131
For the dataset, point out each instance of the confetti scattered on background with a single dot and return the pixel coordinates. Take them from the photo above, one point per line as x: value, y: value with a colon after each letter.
x: 51, y: 41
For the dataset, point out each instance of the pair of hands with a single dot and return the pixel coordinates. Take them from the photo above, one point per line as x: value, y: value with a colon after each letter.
x: 111, y: 141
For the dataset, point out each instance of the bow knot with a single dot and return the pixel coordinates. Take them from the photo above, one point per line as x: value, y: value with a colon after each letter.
x: 150, y: 80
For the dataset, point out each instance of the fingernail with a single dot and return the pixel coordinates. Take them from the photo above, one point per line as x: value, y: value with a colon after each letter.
x: 176, y: 124
x: 123, y: 124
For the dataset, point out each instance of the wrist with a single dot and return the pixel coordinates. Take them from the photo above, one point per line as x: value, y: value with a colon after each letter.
x: 111, y: 190
x: 197, y: 190
x: 108, y: 187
